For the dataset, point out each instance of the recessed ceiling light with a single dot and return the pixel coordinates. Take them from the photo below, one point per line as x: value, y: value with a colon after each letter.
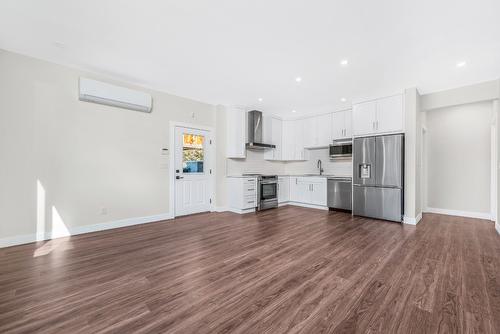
x: 294, y: 110
x: 343, y: 99
x: 260, y: 99
x: 298, y: 79
x: 344, y: 62
x: 461, y: 63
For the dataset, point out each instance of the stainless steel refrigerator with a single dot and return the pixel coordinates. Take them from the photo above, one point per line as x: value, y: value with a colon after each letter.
x: 378, y: 175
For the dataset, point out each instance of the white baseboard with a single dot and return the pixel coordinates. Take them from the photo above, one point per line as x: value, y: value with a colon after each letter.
x: 310, y: 206
x: 28, y: 238
x: 497, y: 227
x: 468, y: 214
x: 221, y: 209
x: 240, y: 211
x: 411, y: 220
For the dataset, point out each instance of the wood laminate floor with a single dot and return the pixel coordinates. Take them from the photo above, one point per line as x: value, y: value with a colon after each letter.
x: 289, y: 270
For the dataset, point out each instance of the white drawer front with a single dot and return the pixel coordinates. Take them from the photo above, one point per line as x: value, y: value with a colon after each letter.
x: 249, y: 202
x: 249, y: 189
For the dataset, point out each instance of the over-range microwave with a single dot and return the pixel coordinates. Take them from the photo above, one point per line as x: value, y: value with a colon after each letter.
x: 341, y: 149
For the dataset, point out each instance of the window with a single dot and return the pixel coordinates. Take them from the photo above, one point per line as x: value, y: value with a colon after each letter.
x: 192, y: 153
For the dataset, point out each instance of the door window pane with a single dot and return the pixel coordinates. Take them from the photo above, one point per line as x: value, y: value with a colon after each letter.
x: 192, y: 153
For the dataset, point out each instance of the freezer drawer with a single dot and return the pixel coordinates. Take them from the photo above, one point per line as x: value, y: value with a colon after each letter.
x: 380, y: 203
x: 339, y: 195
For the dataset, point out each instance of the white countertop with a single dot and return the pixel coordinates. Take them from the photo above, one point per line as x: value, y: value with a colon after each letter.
x: 295, y: 175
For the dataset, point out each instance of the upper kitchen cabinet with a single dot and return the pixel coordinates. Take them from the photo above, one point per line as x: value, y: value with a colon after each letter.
x: 235, y: 132
x: 323, y: 130
x: 390, y: 114
x: 299, y: 130
x: 381, y: 116
x: 292, y: 144
x: 317, y: 131
x: 273, y: 134
x: 342, y: 124
x: 364, y: 117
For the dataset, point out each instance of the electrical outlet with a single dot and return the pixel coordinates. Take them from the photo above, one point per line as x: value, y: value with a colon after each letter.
x: 104, y: 211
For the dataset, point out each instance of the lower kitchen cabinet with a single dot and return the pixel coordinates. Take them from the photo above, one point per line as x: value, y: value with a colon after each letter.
x: 308, y: 190
x: 283, y: 189
x: 243, y: 192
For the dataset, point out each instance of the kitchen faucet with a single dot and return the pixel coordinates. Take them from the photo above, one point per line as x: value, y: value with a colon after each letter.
x: 319, y: 166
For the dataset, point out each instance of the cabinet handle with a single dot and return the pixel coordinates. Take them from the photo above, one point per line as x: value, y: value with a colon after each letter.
x: 377, y: 125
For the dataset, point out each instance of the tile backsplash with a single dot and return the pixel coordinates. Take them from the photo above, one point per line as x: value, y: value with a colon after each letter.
x: 255, y: 163
x: 339, y: 167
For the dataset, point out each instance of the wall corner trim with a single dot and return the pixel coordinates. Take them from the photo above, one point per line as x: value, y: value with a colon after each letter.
x: 412, y: 221
x: 29, y: 238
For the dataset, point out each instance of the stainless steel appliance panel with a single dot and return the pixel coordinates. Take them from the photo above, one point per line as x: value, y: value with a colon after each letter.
x: 341, y: 149
x: 339, y: 194
x: 267, y: 192
x: 376, y: 202
x: 389, y: 161
x: 364, y: 161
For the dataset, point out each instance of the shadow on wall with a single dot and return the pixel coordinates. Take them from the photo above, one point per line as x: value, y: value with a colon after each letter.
x: 48, y: 224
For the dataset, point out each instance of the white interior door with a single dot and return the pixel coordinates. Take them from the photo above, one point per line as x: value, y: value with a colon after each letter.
x: 192, y: 171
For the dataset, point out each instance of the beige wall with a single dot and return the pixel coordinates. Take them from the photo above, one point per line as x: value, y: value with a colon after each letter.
x: 458, y: 157
x: 84, y: 157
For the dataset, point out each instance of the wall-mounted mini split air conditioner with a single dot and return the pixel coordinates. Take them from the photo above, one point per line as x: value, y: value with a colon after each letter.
x: 111, y: 95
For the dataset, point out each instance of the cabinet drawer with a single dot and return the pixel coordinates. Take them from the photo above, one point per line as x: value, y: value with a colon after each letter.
x: 249, y: 189
x: 249, y: 182
x: 249, y: 202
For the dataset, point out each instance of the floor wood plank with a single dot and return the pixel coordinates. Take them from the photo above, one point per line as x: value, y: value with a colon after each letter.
x: 289, y: 270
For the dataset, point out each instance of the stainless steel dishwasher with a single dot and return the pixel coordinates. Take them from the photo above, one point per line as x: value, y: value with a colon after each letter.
x: 339, y: 195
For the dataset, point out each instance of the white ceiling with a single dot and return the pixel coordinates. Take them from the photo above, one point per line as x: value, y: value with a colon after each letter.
x: 234, y: 52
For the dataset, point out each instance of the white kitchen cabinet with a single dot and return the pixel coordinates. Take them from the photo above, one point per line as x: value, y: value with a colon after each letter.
x: 299, y: 189
x: 342, y: 124
x: 308, y: 190
x: 317, y: 131
x: 298, y: 126
x: 243, y: 192
x: 283, y: 189
x: 273, y: 134
x: 323, y: 130
x: 385, y: 115
x: 318, y: 191
x: 364, y: 118
x: 288, y: 141
x: 390, y: 114
x: 235, y: 132
x: 292, y: 141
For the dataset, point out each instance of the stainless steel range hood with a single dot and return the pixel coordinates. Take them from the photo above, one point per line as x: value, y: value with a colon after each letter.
x: 255, y: 132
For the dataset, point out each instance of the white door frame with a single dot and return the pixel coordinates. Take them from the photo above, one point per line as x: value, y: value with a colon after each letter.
x: 211, y: 162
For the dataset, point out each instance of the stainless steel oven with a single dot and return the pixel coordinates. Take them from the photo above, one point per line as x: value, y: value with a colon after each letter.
x: 267, y: 192
x: 341, y: 149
